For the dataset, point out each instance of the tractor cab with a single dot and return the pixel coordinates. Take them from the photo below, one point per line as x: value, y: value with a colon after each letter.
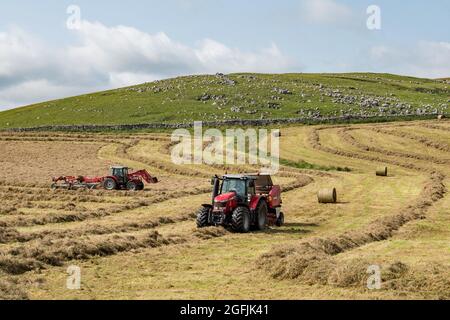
x: 242, y: 186
x: 121, y: 174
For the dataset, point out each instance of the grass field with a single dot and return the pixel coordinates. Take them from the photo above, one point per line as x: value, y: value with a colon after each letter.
x: 144, y: 245
x: 242, y: 96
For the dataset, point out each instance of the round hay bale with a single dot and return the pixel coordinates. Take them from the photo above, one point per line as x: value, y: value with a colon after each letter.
x: 327, y: 196
x: 441, y: 116
x: 382, y: 171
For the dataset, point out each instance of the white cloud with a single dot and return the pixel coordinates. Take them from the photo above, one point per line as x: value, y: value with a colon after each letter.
x: 425, y: 59
x: 107, y: 57
x: 35, y: 91
x: 326, y: 12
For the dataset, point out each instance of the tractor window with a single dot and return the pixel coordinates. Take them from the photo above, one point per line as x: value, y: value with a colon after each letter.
x: 120, y: 172
x: 236, y: 185
x: 117, y: 172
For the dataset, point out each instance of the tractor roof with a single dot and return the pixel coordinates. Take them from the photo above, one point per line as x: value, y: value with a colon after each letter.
x: 119, y: 167
x: 253, y: 176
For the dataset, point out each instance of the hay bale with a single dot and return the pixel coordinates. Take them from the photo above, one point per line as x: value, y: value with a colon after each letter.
x: 382, y: 171
x: 441, y: 117
x: 327, y: 196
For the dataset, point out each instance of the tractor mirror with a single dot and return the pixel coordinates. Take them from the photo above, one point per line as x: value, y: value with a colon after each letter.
x: 251, y: 184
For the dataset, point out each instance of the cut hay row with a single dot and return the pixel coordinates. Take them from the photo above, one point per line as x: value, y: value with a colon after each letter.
x: 312, y: 260
x: 310, y: 172
x: 39, y: 254
x: 152, y: 137
x: 64, y: 206
x: 314, y: 141
x: 420, y: 139
x: 95, y: 139
x: 35, y: 256
x: 9, y: 209
x: 11, y: 289
x: 49, y: 196
x: 435, y: 127
x: 74, y: 215
x: 10, y: 235
x: 23, y: 195
x: 347, y: 137
x: 51, y: 218
x: 92, y: 194
x: 17, y: 184
x: 300, y: 182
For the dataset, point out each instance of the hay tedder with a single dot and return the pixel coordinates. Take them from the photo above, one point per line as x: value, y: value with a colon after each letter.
x: 243, y: 202
x: 119, y: 179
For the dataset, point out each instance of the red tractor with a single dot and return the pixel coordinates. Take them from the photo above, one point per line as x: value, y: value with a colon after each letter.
x: 243, y: 202
x: 119, y: 179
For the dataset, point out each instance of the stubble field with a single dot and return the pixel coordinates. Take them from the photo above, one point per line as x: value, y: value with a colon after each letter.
x: 144, y: 245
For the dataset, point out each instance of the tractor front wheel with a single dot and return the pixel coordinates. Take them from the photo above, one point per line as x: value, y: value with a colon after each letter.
x: 240, y: 220
x: 110, y: 184
x: 203, y: 217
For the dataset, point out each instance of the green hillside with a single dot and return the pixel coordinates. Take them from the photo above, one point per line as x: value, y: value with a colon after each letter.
x: 242, y: 96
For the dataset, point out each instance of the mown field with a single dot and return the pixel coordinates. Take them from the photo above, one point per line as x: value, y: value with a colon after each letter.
x: 144, y: 245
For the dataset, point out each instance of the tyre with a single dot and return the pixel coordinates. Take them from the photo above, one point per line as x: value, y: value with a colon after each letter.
x: 132, y: 186
x: 280, y: 220
x: 240, y: 220
x: 110, y: 184
x: 261, y: 216
x: 203, y: 217
x: 140, y: 186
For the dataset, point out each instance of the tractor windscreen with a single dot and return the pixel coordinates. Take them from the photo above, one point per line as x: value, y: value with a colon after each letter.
x: 236, y: 185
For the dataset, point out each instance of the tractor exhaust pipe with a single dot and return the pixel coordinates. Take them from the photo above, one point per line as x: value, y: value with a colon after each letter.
x: 216, y: 186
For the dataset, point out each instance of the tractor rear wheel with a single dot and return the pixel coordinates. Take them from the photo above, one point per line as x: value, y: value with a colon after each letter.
x: 132, y: 186
x: 203, y: 217
x: 140, y: 186
x: 261, y: 216
x: 110, y: 184
x: 240, y: 220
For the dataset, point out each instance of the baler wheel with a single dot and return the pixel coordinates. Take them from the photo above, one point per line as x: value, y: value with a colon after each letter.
x: 261, y: 216
x: 240, y: 220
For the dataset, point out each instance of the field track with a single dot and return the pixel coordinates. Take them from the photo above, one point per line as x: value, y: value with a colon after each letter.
x: 145, y: 245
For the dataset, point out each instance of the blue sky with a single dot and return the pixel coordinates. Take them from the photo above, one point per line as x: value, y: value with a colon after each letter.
x: 127, y: 42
